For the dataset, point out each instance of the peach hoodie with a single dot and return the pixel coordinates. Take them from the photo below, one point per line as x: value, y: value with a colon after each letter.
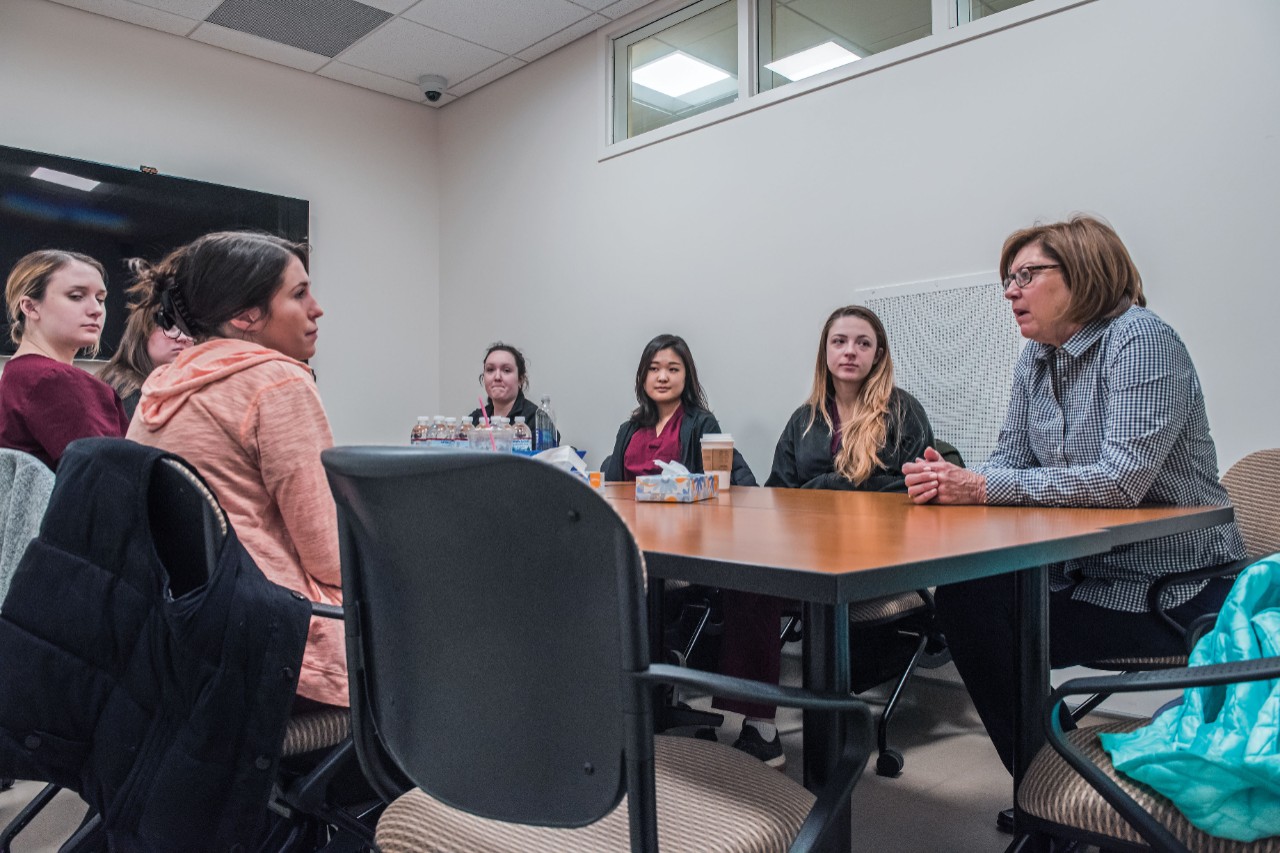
x: 250, y: 420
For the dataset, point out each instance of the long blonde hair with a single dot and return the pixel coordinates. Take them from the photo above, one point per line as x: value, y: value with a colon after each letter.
x: 863, y: 436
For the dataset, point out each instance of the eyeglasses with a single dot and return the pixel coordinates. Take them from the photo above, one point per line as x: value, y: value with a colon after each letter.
x: 175, y: 334
x: 1024, y: 276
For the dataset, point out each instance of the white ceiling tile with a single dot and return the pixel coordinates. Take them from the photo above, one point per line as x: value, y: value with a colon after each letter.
x: 135, y: 13
x: 196, y: 10
x: 565, y: 36
x: 405, y: 50
x: 623, y: 8
x: 500, y: 24
x: 395, y: 7
x: 372, y: 80
x: 281, y: 54
x: 594, y: 5
x: 486, y: 76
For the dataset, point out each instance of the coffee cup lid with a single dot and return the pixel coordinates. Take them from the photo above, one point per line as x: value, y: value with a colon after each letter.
x: 716, y: 436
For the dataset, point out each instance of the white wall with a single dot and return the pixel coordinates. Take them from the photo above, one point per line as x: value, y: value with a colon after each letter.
x: 81, y: 85
x: 1161, y: 116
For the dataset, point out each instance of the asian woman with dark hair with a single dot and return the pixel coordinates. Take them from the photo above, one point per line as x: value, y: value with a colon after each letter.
x: 671, y: 418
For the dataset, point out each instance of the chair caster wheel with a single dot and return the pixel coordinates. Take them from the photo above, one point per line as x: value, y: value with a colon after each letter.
x: 889, y: 763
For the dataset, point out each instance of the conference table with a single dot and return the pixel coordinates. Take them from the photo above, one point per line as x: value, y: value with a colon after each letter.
x: 827, y: 549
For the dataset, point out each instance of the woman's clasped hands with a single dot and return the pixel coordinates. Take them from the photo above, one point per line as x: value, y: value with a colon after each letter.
x: 932, y: 479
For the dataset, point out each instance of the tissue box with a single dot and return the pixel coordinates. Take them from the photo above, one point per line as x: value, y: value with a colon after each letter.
x: 683, y: 488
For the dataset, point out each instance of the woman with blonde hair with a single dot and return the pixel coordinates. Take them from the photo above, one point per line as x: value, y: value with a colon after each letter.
x: 143, y: 347
x: 857, y: 428
x: 57, y: 307
x: 855, y: 432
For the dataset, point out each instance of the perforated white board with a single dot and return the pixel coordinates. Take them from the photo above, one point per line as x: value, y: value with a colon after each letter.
x: 954, y: 345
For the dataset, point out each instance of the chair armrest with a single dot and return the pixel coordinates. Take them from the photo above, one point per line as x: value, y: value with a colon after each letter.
x: 755, y: 691
x: 1171, y: 679
x: 327, y: 611
x: 1156, y: 590
x: 1155, y: 834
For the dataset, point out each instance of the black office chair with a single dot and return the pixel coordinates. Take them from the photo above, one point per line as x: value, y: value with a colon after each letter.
x: 506, y: 704
x: 188, y: 531
x: 890, y: 638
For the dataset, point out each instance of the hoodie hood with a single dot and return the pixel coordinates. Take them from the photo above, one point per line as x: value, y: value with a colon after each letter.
x: 170, y: 386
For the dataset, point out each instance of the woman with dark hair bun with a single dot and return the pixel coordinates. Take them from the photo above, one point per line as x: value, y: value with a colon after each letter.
x: 671, y: 418
x: 56, y: 302
x: 241, y: 405
x: 505, y: 379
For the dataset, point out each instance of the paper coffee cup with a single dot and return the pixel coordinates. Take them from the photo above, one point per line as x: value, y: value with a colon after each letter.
x: 717, y: 456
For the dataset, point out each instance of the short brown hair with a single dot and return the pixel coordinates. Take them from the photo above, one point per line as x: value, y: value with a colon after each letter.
x: 1096, y: 265
x: 30, y: 277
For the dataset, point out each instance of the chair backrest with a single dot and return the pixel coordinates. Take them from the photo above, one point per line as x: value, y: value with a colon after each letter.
x: 178, y: 496
x: 1251, y: 485
x: 494, y: 611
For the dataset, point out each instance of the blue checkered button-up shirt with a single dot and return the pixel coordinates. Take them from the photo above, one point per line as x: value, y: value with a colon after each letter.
x: 1113, y: 418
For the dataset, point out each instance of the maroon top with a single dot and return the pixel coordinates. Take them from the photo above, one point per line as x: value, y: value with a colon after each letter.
x: 45, y: 405
x: 646, y: 445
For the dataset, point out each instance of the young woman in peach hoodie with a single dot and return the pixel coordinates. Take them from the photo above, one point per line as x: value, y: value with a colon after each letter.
x: 241, y: 405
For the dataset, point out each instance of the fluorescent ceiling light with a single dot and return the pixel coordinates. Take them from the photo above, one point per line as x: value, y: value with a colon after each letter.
x: 74, y: 181
x: 677, y: 74
x: 813, y: 61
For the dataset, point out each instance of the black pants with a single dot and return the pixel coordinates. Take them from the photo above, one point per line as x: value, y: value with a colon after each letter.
x: 977, y: 618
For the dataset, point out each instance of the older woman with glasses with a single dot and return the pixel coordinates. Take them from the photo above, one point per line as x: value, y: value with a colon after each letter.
x: 1106, y: 411
x: 143, y: 347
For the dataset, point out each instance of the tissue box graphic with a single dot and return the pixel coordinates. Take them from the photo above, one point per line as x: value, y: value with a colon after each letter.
x: 682, y: 488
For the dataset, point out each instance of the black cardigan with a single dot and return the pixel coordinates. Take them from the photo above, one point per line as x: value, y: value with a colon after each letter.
x: 803, y: 459
x: 695, y: 424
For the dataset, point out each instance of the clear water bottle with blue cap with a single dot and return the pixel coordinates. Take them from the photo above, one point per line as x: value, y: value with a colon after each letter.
x: 544, y: 426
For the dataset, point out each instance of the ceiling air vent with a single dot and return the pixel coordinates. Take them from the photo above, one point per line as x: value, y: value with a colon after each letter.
x: 326, y: 27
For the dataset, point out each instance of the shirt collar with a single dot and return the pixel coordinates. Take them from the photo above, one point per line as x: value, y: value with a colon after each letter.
x: 1079, y: 343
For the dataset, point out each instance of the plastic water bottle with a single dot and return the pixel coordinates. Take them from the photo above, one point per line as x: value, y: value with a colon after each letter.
x: 450, y: 434
x: 503, y: 434
x: 544, y: 426
x: 523, y: 441
x: 437, y: 436
x: 418, y: 435
x: 462, y: 438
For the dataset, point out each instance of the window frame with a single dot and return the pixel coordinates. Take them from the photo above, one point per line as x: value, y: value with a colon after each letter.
x: 945, y: 14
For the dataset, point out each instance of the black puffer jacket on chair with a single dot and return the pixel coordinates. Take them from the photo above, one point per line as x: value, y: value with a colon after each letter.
x: 155, y: 685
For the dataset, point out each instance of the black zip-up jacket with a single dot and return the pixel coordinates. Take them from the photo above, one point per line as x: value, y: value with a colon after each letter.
x: 695, y: 424
x: 803, y: 459
x: 163, y: 707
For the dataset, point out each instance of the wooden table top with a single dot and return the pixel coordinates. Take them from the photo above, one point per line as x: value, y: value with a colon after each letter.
x: 833, y: 546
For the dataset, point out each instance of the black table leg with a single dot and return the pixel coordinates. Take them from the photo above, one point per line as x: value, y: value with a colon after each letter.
x: 826, y: 668
x: 1031, y: 628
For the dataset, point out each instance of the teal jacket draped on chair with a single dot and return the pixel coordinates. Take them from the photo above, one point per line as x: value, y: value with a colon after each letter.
x: 1216, y: 755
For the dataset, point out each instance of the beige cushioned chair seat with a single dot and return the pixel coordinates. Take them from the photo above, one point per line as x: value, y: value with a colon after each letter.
x: 710, y: 798
x: 1054, y: 791
x: 316, y: 730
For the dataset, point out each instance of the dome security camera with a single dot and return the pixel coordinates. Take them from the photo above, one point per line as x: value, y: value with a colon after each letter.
x: 432, y: 86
